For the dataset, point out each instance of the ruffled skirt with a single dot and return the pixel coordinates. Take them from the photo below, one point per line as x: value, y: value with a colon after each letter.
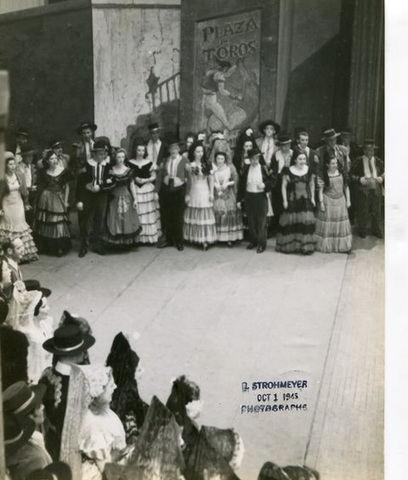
x: 333, y: 229
x: 148, y: 210
x: 228, y: 218
x: 123, y: 223
x: 199, y: 225
x: 297, y: 228
x: 13, y: 225
x: 51, y: 226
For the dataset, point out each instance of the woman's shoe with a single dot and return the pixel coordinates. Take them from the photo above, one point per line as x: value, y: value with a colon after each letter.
x: 229, y: 244
x: 205, y: 247
x: 60, y: 253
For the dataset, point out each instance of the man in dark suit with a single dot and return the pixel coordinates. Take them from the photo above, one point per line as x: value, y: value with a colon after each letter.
x: 331, y: 148
x: 354, y: 151
x: 83, y: 148
x: 254, y: 183
x: 68, y: 345
x: 92, y: 199
x: 367, y: 173
x: 171, y: 186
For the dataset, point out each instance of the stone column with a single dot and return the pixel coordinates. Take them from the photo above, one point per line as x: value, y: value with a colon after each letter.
x: 366, y: 100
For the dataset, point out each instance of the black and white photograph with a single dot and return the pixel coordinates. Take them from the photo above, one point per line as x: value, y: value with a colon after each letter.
x: 192, y: 239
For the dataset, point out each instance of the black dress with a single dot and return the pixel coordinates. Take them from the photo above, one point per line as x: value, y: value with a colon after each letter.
x: 51, y: 225
x: 297, y: 223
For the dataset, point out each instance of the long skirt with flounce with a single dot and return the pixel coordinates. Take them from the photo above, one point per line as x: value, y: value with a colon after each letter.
x: 51, y: 226
x: 228, y: 218
x: 148, y: 210
x: 333, y: 229
x: 13, y: 225
x: 297, y: 228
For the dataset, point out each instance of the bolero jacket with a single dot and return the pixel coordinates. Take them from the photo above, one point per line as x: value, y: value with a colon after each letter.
x: 266, y: 178
x: 357, y: 169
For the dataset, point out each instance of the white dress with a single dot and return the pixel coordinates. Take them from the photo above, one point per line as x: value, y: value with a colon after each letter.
x: 36, y: 329
x: 102, y: 438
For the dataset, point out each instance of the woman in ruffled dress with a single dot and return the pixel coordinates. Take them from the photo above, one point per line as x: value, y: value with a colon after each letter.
x: 297, y: 223
x: 13, y: 203
x: 51, y: 225
x: 148, y: 209
x: 228, y: 216
x: 123, y: 223
x: 333, y: 229
x: 93, y: 434
x: 199, y: 219
x: 280, y: 162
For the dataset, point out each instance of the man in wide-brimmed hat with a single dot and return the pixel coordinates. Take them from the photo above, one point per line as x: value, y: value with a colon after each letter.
x: 171, y: 185
x: 367, y: 172
x: 24, y: 452
x: 266, y: 142
x: 156, y: 148
x: 69, y: 345
x: 21, y: 139
x: 92, y: 199
x: 83, y: 148
x: 254, y: 184
x: 331, y: 148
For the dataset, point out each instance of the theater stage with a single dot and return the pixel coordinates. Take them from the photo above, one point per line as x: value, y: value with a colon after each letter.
x: 229, y: 316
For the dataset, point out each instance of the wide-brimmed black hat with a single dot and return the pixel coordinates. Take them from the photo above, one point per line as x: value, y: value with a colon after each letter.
x: 369, y: 142
x: 20, y: 399
x: 22, y: 131
x: 265, y: 123
x: 99, y: 145
x: 254, y: 152
x: 283, y: 139
x: 330, y: 133
x: 173, y: 141
x: 84, y: 125
x: 16, y: 433
x: 55, y: 143
x: 153, y: 127
x: 36, y: 285
x: 68, y: 341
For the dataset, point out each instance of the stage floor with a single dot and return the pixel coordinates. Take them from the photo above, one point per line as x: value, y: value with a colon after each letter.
x: 228, y: 316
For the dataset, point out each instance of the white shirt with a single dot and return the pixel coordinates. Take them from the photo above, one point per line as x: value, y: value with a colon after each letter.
x: 26, y: 170
x: 282, y: 161
x: 254, y: 179
x: 268, y: 147
x: 153, y: 149
x: 370, y: 170
x: 63, y: 368
x: 171, y: 168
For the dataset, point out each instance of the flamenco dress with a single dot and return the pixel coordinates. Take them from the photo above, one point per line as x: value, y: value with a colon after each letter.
x: 51, y: 225
x: 148, y: 207
x: 123, y: 223
x: 333, y: 229
x: 228, y: 218
x: 297, y: 223
x: 199, y: 219
x: 13, y: 223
